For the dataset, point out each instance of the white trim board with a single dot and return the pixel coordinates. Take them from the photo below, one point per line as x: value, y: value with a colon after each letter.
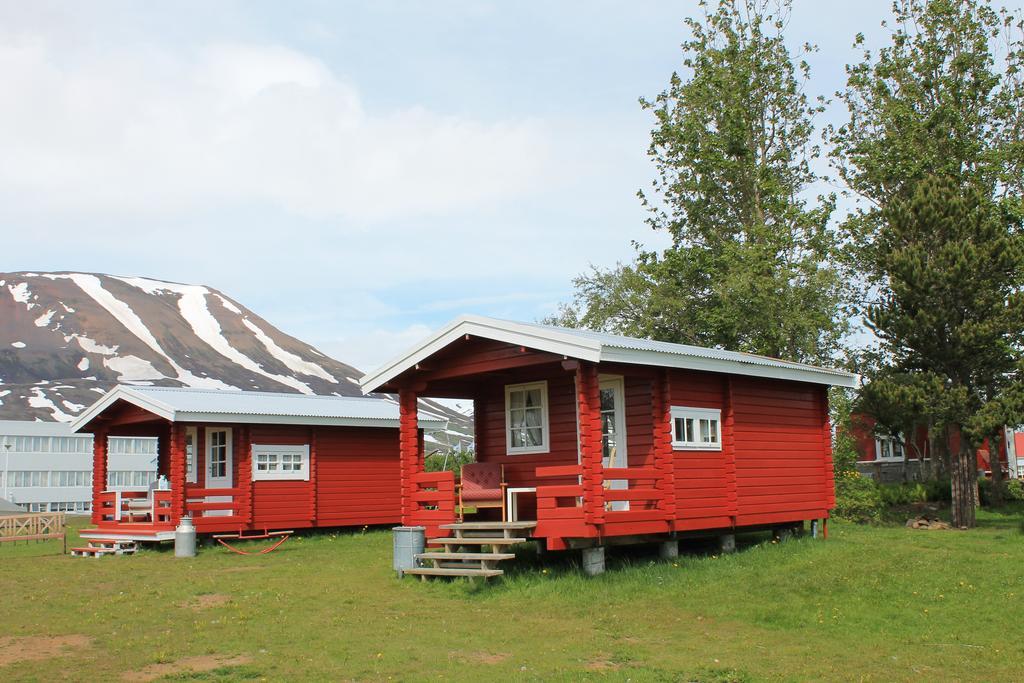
x: 163, y: 407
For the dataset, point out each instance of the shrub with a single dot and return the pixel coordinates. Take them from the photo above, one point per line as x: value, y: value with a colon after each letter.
x: 893, y: 494
x: 1015, y: 489
x: 984, y: 491
x: 939, y: 491
x: 857, y: 498
x: 917, y: 492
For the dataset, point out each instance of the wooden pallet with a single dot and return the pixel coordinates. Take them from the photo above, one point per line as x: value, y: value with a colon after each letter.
x: 101, y: 547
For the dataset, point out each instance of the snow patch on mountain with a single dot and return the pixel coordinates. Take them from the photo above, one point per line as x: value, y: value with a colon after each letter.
x: 44, y: 319
x: 133, y: 369
x: 21, y: 293
x: 40, y: 400
x: 122, y: 312
x: 18, y: 345
x: 83, y: 364
x: 230, y: 306
x: 290, y: 360
x: 192, y: 304
x: 93, y: 346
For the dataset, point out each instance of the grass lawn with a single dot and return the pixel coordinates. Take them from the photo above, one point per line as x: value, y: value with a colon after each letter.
x: 869, y: 604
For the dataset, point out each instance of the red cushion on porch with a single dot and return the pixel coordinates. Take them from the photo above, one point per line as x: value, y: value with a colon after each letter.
x: 481, y: 481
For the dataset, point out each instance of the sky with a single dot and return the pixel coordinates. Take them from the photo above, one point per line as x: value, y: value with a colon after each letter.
x: 357, y: 173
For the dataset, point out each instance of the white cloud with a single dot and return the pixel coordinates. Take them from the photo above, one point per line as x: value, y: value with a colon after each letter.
x: 156, y: 131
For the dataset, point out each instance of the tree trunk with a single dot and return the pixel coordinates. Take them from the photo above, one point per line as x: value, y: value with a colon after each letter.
x: 997, y: 470
x: 964, y: 486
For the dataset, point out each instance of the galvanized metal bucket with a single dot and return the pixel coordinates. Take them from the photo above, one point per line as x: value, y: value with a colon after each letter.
x: 409, y: 541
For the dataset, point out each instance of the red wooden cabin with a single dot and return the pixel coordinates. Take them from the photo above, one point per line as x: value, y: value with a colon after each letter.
x: 604, y: 436
x: 894, y: 459
x: 246, y: 461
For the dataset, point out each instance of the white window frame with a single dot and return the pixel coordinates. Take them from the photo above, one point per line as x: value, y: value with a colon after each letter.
x: 191, y: 465
x: 277, y: 451
x: 545, y: 445
x: 891, y: 458
x: 684, y: 412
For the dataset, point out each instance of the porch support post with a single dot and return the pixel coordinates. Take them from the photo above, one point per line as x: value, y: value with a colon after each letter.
x: 177, y: 473
x: 669, y: 550
x: 243, y: 458
x: 593, y: 560
x: 589, y: 401
x: 729, y: 450
x: 727, y: 543
x: 664, y: 462
x: 409, y: 451
x: 99, y: 471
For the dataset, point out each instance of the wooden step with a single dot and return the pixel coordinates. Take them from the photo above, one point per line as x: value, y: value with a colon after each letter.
x: 475, y: 541
x: 489, y: 557
x: 92, y: 550
x: 477, y: 526
x: 432, y: 571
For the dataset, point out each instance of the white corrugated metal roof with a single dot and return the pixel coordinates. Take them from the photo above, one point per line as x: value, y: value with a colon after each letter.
x: 214, y: 405
x: 602, y: 347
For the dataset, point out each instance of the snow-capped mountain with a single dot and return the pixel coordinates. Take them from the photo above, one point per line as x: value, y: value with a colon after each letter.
x: 66, y: 338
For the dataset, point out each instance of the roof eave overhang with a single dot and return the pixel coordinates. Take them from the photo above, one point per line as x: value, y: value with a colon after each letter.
x: 122, y: 393
x: 673, y: 360
x: 511, y: 333
x: 301, y: 420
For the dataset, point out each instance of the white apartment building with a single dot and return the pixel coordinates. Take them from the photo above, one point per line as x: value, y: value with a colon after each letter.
x: 47, y: 468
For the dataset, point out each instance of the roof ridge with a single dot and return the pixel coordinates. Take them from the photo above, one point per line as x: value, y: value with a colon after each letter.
x: 245, y: 392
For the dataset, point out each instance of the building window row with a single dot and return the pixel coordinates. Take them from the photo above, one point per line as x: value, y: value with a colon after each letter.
x: 49, y: 444
x: 132, y: 445
x: 23, y: 478
x: 125, y: 478
x: 63, y: 506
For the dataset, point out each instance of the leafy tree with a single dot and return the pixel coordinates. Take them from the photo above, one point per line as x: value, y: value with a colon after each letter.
x: 944, y: 99
x: 749, y: 263
x: 952, y: 316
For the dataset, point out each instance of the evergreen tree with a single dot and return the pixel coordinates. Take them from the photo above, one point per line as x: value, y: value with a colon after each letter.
x: 944, y: 98
x: 951, y: 320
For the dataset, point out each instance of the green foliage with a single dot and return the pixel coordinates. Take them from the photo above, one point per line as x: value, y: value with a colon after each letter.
x: 844, y: 446
x: 1015, y: 490
x: 906, y: 494
x: 857, y: 498
x: 943, y: 98
x: 985, y: 492
x: 748, y: 268
x: 934, y: 145
x: 451, y: 459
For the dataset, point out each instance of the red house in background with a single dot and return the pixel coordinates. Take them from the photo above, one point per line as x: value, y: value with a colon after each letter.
x: 245, y: 461
x: 890, y: 459
x: 605, y: 437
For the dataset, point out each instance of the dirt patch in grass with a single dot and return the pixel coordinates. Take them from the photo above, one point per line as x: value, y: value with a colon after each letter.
x: 480, y: 657
x: 207, y: 601
x: 602, y: 664
x: 30, y: 648
x: 199, y: 664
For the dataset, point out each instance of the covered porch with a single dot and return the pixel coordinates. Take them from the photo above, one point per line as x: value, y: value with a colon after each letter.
x: 201, y: 470
x: 585, y: 452
x: 202, y: 482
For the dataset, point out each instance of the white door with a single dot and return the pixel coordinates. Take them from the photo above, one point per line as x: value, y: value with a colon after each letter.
x: 219, y: 467
x: 613, y: 432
